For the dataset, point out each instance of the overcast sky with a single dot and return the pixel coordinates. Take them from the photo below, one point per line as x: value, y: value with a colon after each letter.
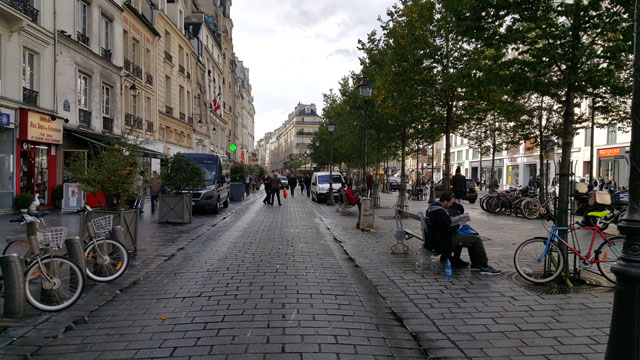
x: 297, y: 50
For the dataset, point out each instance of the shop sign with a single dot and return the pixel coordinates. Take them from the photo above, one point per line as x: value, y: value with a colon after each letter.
x: 41, y: 128
x: 513, y: 159
x: 5, y: 119
x: 609, y: 152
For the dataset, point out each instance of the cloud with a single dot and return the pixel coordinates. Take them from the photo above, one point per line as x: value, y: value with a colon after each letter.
x: 346, y: 52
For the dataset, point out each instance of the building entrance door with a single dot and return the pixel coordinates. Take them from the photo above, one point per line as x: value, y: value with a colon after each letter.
x: 34, y: 171
x: 27, y: 169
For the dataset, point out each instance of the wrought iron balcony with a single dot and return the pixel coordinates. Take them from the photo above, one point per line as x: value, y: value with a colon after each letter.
x: 25, y: 7
x: 107, y: 124
x: 183, y: 117
x: 149, y: 126
x: 106, y: 54
x: 82, y: 38
x: 149, y: 79
x: 127, y: 65
x: 181, y: 69
x: 168, y: 110
x: 137, y: 122
x: 29, y: 96
x: 84, y: 117
x: 128, y: 119
x: 168, y: 57
x: 137, y: 71
x: 190, y: 120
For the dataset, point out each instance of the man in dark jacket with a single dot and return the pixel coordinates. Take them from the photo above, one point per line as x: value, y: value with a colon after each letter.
x: 276, y: 185
x: 307, y: 184
x: 292, y: 184
x: 459, y: 183
x: 267, y: 189
x: 443, y: 238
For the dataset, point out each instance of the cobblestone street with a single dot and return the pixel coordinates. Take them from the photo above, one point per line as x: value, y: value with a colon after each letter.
x: 301, y: 282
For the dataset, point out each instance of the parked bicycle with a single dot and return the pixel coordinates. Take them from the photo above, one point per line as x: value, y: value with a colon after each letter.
x: 19, y: 244
x: 106, y: 258
x: 52, y: 282
x: 532, y: 208
x: 540, y: 260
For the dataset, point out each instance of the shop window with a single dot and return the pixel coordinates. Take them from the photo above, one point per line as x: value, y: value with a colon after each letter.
x: 7, y: 176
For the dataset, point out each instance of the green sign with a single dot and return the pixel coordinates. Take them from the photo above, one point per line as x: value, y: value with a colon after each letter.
x: 233, y: 147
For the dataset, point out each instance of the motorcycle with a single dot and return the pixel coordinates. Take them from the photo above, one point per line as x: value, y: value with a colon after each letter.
x: 601, y: 201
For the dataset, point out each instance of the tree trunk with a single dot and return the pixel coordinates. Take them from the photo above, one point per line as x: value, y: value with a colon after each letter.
x: 401, y: 203
x: 447, y: 148
x: 562, y: 217
x: 541, y: 151
x: 480, y: 169
x: 493, y: 163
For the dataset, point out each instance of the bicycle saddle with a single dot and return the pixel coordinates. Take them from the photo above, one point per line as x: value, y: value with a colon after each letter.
x: 39, y: 214
x: 599, y: 214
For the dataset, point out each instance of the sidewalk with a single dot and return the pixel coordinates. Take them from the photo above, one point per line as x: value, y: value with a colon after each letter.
x: 471, y: 315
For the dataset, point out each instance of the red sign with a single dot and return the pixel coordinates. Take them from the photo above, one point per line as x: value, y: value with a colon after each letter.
x: 242, y: 156
x: 609, y: 152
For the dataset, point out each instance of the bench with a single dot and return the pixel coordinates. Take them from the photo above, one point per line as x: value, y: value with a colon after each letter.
x: 402, y: 234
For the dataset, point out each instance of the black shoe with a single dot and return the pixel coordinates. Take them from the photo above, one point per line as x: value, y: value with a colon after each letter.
x: 459, y: 263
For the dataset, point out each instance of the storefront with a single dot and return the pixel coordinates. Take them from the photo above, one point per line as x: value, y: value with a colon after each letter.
x: 614, y: 162
x: 486, y: 170
x: 7, y: 156
x: 38, y: 138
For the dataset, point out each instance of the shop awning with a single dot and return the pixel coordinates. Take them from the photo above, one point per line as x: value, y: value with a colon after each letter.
x: 104, y: 140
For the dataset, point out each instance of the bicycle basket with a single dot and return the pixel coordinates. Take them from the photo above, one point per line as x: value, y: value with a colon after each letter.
x: 102, y: 224
x: 52, y: 238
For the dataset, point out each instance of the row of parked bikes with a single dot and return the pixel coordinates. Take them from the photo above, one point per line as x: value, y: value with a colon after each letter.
x: 53, y: 280
x: 599, y: 208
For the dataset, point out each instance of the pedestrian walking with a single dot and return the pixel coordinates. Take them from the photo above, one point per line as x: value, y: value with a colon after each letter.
x: 155, y: 190
x: 301, y: 184
x: 307, y: 184
x: 369, y: 184
x: 292, y: 184
x: 276, y: 186
x: 459, y: 183
x: 140, y: 188
x: 611, y: 186
x: 267, y: 190
x: 247, y: 184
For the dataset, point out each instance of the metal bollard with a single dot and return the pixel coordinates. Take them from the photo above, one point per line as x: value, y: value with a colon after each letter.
x: 75, y: 251
x: 14, y: 293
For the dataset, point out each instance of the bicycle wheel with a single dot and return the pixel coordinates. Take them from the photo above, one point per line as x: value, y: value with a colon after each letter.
x: 530, y: 209
x: 53, y: 283
x: 534, y: 269
x: 610, y: 254
x: 106, y: 259
x: 20, y: 248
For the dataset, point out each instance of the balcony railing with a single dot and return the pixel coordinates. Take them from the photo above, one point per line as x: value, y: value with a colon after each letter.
x: 107, y: 124
x: 127, y: 65
x: 128, y: 119
x: 305, y: 133
x: 149, y: 79
x: 137, y: 71
x: 181, y: 69
x: 137, y: 122
x: 106, y: 54
x: 168, y: 110
x: 168, y: 57
x: 25, y: 7
x: 29, y: 96
x: 190, y: 120
x: 149, y: 126
x: 183, y: 117
x: 84, y: 117
x: 82, y: 38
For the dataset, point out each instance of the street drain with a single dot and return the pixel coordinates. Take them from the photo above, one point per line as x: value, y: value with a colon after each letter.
x: 592, y: 284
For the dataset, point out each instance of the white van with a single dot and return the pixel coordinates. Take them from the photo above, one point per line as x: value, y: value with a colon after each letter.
x: 320, y: 185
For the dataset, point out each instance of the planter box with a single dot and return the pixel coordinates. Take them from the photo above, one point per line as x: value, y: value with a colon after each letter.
x: 126, y: 219
x: 175, y: 209
x: 237, y: 191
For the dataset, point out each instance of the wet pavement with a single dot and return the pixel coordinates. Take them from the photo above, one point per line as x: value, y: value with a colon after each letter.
x: 301, y: 282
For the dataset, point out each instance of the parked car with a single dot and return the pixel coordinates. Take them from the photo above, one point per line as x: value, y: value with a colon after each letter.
x: 471, y: 194
x: 320, y: 186
x: 394, y: 183
x: 285, y: 181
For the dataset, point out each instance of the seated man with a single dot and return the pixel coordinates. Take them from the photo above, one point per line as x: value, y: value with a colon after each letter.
x: 443, y: 238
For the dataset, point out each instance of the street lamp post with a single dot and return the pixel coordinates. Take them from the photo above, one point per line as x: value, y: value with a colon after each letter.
x: 365, y: 91
x: 331, y: 127
x: 317, y: 143
x: 432, y: 190
x: 625, y: 319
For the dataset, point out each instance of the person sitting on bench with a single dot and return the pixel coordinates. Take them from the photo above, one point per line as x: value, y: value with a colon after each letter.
x: 443, y: 238
x: 351, y: 198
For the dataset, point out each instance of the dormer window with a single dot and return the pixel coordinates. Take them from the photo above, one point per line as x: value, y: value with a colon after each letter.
x: 307, y: 109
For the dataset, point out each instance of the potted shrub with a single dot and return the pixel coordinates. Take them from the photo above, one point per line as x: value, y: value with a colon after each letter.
x: 181, y: 178
x: 238, y: 174
x: 112, y: 172
x: 23, y: 201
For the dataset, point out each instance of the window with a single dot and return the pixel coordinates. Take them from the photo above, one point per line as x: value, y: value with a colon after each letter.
x: 105, y: 33
x: 135, y: 47
x: 148, y: 110
x: 167, y: 91
x: 611, y: 135
x: 134, y: 104
x: 167, y: 42
x: 180, y: 19
x: 460, y: 155
x: 181, y: 94
x: 147, y: 61
x: 107, y: 95
x: 28, y: 69
x: 83, y: 91
x: 82, y: 24
x: 587, y: 137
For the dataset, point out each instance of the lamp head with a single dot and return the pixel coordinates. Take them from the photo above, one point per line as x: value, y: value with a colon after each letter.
x: 365, y: 87
x: 133, y: 90
x: 331, y: 126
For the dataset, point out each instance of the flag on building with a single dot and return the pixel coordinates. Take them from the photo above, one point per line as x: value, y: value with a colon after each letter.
x: 216, y: 102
